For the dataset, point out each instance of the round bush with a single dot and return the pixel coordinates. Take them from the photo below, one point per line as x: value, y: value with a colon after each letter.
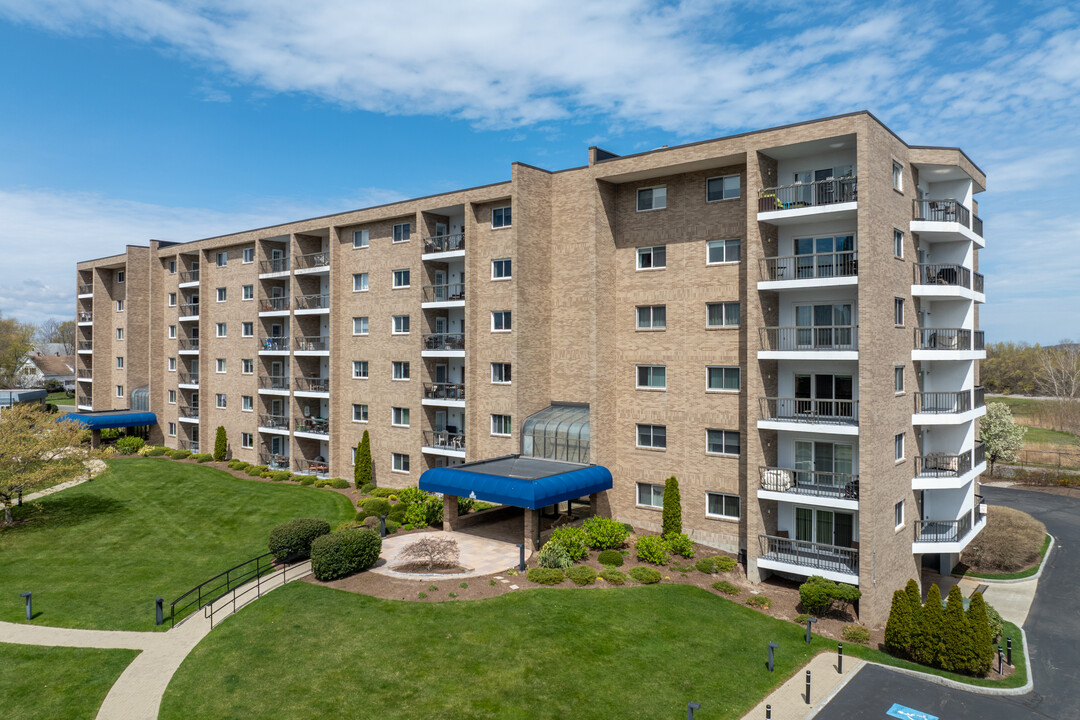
x: 1010, y: 542
x: 304, y: 479
x: 573, y: 541
x: 581, y: 575
x: 604, y: 533
x: 553, y: 555
x: 680, y: 544
x: 239, y: 465
x: 366, y: 489
x: 411, y: 495
x: 203, y: 457
x: 652, y: 549
x: 382, y: 492
x: 645, y: 575
x: 376, y: 506
x: 293, y: 539
x: 156, y: 451
x: 397, y: 514
x: 344, y: 553
x: 179, y: 454
x: 613, y: 577
x: 856, y: 634
x: 759, y: 601
x: 725, y: 587
x: 255, y: 470
x: 614, y: 558
x: 546, y: 576
x: 280, y: 475
x: 391, y: 526
x: 339, y: 483
x: 128, y: 445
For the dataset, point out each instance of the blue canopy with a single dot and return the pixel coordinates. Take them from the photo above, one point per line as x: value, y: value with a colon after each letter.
x: 525, y: 492
x: 111, y: 419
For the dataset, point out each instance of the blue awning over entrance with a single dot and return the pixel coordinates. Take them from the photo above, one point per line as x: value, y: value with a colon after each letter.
x: 111, y: 419
x: 523, y: 482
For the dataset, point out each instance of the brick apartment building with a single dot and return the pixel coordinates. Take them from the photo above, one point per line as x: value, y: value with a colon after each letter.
x: 786, y: 320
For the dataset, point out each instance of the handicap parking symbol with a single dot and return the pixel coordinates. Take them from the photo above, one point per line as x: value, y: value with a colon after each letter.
x: 905, y: 713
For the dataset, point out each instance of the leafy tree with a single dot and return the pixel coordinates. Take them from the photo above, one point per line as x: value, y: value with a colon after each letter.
x: 362, y: 465
x: 931, y: 621
x: 1010, y: 368
x: 958, y: 650
x: 36, y: 451
x: 982, y: 642
x: 16, y: 342
x: 899, y: 629
x: 672, y: 516
x: 1000, y: 434
x: 818, y: 595
x: 221, y: 444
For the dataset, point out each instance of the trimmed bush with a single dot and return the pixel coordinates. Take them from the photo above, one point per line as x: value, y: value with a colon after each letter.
x: 265, y: 474
x: 680, y: 544
x: 645, y: 575
x: 818, y: 595
x: 716, y: 564
x: 382, y: 492
x: 239, y: 465
x: 652, y: 549
x: 221, y: 444
x: 546, y: 576
x: 392, y: 527
x: 982, y: 643
x: 156, y: 451
x: 362, y: 470
x: 321, y: 482
x: 376, y: 506
x: 179, y: 454
x: 672, y: 515
x: 128, y: 445
x: 397, y: 514
x: 581, y: 575
x: 465, y: 505
x: 293, y: 539
x: 412, y: 495
x: 759, y: 601
x: 997, y: 625
x: 305, y: 479
x: 553, y: 555
x: 344, y: 553
x: 255, y: 470
x: 958, y: 650
x: 203, y: 457
x: 424, y: 512
x: 604, y: 533
x: 339, y: 483
x: 900, y: 627
x: 614, y: 558
x: 280, y: 475
x: 856, y: 633
x: 801, y: 619
x: 366, y: 489
x: 572, y: 540
x: 928, y: 648
x: 725, y: 587
x: 613, y: 577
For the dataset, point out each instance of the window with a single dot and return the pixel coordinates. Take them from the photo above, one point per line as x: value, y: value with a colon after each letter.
x: 247, y: 292
x: 119, y: 391
x: 360, y: 239
x: 898, y: 243
x: 651, y: 257
x: 401, y: 278
x: 723, y: 251
x: 898, y: 379
x: 401, y: 325
x: 722, y: 188
x: 220, y: 365
x: 249, y: 256
x: 172, y: 429
x: 219, y: 400
x: 897, y: 176
x: 359, y: 413
x: 172, y: 364
x: 500, y: 425
x: 172, y: 331
x: 222, y: 259
x: 220, y: 329
x: 723, y: 379
x: 500, y: 269
x: 247, y: 441
x: 172, y: 299
x: 359, y: 326
x: 651, y: 317
x: 119, y: 362
x: 247, y: 403
x: 898, y: 311
x: 500, y: 217
x: 120, y: 276
x: 400, y: 462
x: 654, y: 198
x: 898, y: 515
x: 400, y: 417
x: 898, y: 447
x: 401, y: 232
x: 722, y: 442
x: 247, y: 367
x: 500, y: 373
x: 500, y: 320
x: 400, y: 370
x: 119, y: 333
x: 722, y: 505
x: 722, y: 314
x: 247, y: 329
x: 650, y: 495
x: 172, y: 397
x: 221, y: 295
x: 359, y: 282
x: 652, y: 376
x: 359, y: 369
x: 172, y: 267
x: 119, y: 306
x: 652, y: 436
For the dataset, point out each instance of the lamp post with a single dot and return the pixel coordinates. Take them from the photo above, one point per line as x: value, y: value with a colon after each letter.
x: 809, y: 622
x: 690, y: 708
x: 772, y: 647
x: 29, y: 607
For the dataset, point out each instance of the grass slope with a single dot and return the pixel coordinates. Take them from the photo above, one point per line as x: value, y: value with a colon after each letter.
x: 96, y: 555
x: 45, y: 683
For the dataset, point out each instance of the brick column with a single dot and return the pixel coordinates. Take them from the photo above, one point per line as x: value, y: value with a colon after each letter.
x: 449, y: 512
x: 532, y: 531
x: 95, y: 439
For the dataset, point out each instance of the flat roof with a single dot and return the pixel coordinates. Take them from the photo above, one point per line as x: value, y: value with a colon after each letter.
x: 522, y: 468
x: 104, y: 419
x: 524, y: 482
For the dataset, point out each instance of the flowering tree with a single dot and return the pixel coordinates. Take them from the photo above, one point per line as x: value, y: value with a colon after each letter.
x: 1000, y: 434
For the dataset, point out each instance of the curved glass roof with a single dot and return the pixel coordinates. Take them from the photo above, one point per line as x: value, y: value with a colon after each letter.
x: 559, y: 432
x: 140, y: 399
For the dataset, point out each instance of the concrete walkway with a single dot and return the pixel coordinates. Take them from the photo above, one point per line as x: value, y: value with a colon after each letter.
x: 789, y: 700
x: 481, y: 555
x: 94, y: 467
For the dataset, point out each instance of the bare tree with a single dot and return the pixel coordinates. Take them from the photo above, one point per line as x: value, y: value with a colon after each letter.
x: 54, y: 331
x: 1059, y: 377
x: 432, y: 553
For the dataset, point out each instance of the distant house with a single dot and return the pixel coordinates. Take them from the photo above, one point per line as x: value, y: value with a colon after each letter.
x: 9, y: 397
x: 38, y: 369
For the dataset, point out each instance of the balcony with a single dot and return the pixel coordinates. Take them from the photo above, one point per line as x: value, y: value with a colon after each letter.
x: 319, y: 468
x: 189, y: 345
x: 312, y: 304
x: 942, y: 339
x: 834, y: 416
x: 945, y: 281
x: 278, y: 344
x: 444, y: 442
x: 86, y: 318
x: 274, y: 266
x: 446, y: 295
x: 808, y: 558
x: 83, y: 401
x: 85, y: 290
x: 189, y: 277
x: 825, y: 342
x: 822, y: 199
x: 276, y: 383
x: 85, y: 346
x: 444, y: 244
x: 807, y: 484
x: 313, y: 344
x: 312, y: 426
x: 938, y: 403
x: 979, y: 283
x: 943, y: 465
x: 185, y: 378
x: 949, y: 535
x: 980, y: 453
x: 945, y: 220
x: 312, y: 263
x: 274, y: 305
x: 189, y: 413
x: 273, y: 461
x: 444, y: 394
x: 808, y: 270
x: 979, y: 341
x: 272, y: 423
x: 192, y: 446
x: 84, y: 374
x: 189, y: 311
x: 312, y: 385
x: 437, y: 343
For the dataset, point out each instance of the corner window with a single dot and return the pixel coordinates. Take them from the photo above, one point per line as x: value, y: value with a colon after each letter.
x: 500, y: 217
x: 722, y: 188
x: 723, y: 251
x: 650, y: 495
x: 652, y: 376
x: 722, y: 314
x: 247, y: 441
x: 500, y: 425
x: 247, y: 292
x: 360, y: 282
x: 898, y: 515
x: 249, y: 256
x: 897, y: 176
x: 651, y: 317
x: 401, y: 278
x: 898, y: 379
x: 401, y: 325
x: 360, y: 413
x: 898, y: 447
x: 652, y: 436
x: 654, y: 198
x: 360, y: 369
x: 898, y: 243
x: 898, y: 311
x: 500, y: 373
x: 120, y: 276
x: 722, y: 505
x: 400, y: 370
x: 359, y: 326
x: 360, y: 239
x: 401, y: 232
x: 500, y: 269
x: 500, y: 321
x: 222, y: 259
x: 651, y: 257
x: 722, y: 442
x: 400, y: 417
x: 400, y: 462
x: 723, y: 379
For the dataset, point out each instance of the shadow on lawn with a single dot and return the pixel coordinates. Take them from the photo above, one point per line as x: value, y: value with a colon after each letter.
x: 59, y: 510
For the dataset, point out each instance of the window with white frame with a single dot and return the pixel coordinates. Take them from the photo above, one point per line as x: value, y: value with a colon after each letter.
x: 898, y: 515
x: 172, y: 331
x: 722, y: 442
x: 220, y: 365
x: 172, y: 364
x: 399, y: 417
x: 723, y: 314
x: 400, y: 369
x: 401, y: 232
x: 247, y: 366
x: 722, y: 505
x: 897, y: 176
x: 723, y: 251
x: 500, y: 269
x: 219, y: 400
x: 360, y: 369
x: 652, y: 376
x: 898, y: 311
x: 247, y: 403
x: 172, y: 429
x: 119, y: 306
x: 652, y: 436
x: 500, y: 320
x: 898, y: 243
x: 359, y: 326
x: 500, y: 373
x: 898, y: 447
x: 726, y: 187
x: 172, y: 267
x: 650, y: 495
x: 120, y: 276
x: 247, y: 329
x: 723, y: 378
x: 500, y: 217
x: 172, y: 299
x: 360, y: 282
x: 247, y: 440
x: 220, y: 329
x: 119, y: 362
x: 119, y: 333
x: 401, y: 325
x: 221, y: 296
x: 501, y: 425
x: 360, y: 238
x: 359, y: 413
x: 401, y: 278
x: 222, y: 259
x: 898, y: 379
x: 651, y: 317
x: 249, y: 256
x: 247, y: 292
x: 649, y: 258
x: 400, y: 462
x: 172, y: 397
x: 652, y: 198
x: 119, y: 391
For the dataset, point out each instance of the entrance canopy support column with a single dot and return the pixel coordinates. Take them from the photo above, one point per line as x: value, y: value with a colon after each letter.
x: 449, y: 512
x: 532, y: 531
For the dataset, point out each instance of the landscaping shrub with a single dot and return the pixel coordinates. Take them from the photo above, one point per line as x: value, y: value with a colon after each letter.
x: 900, y: 627
x: 203, y: 457
x: 156, y: 451
x: 725, y: 587
x: 958, y: 650
x: 321, y: 482
x: 856, y: 633
x: 265, y: 474
x: 581, y: 575
x: 612, y: 576
x: 397, y: 514
x: 305, y: 479
x: 412, y: 495
x: 927, y: 648
x: 255, y: 470
x: 366, y: 489
x: 759, y: 601
x: 129, y: 445
x: 464, y: 505
x: 614, y: 558
x: 982, y: 643
x: 376, y: 506
x: 392, y: 527
x: 546, y: 576
x: 382, y: 492
x: 293, y: 539
x: 572, y: 539
x: 424, y: 512
x: 280, y: 475
x: 339, y: 554
x: 652, y: 549
x: 945, y: 637
x: 553, y: 555
x: 362, y: 468
x: 801, y: 619
x: 603, y: 533
x: 818, y: 595
x: 1011, y: 541
x: 179, y: 454
x: 672, y: 515
x: 339, y: 483
x: 221, y: 444
x: 645, y: 575
x: 997, y: 625
x: 716, y: 564
x: 239, y: 465
x: 680, y: 544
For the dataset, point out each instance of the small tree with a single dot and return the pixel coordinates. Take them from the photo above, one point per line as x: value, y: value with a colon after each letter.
x: 899, y: 628
x: 982, y: 642
x: 928, y: 639
x: 672, y: 517
x: 1000, y: 434
x: 362, y: 466
x: 914, y: 598
x: 957, y: 648
x: 221, y: 444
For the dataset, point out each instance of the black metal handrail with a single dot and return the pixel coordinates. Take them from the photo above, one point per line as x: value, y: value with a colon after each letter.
x: 189, y: 411
x: 86, y: 345
x: 83, y: 400
x: 841, y: 486
x: 943, y: 210
x: 189, y: 343
x: 818, y: 192
x: 444, y: 439
x: 977, y: 225
x: 274, y: 422
x: 84, y: 374
x: 312, y: 302
x: 274, y: 344
x: 85, y: 317
x: 942, y: 274
x: 187, y: 276
x: 447, y: 292
x: 313, y: 384
x: 979, y: 283
x: 818, y: 556
x: 940, y: 464
x: 85, y: 289
x: 274, y: 304
x: 942, y: 403
x: 186, y: 378
x: 316, y: 426
x: 192, y: 446
x: 823, y: 337
x: 444, y: 341
x: 829, y: 412
x: 980, y: 396
x: 274, y: 461
x: 809, y: 266
x: 980, y: 452
x: 312, y: 467
x: 189, y: 309
x: 942, y: 339
x: 980, y: 340
x: 218, y: 586
x: 312, y: 260
x: 943, y: 530
x: 444, y: 243
x: 444, y: 391
x: 313, y: 343
x: 274, y: 266
x: 274, y: 382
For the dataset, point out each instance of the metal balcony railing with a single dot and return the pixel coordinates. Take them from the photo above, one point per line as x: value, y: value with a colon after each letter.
x: 980, y: 396
x: 830, y: 337
x: 192, y: 446
x: 274, y: 344
x: 189, y: 309
x: 944, y: 210
x: 942, y: 465
x: 980, y: 340
x: 977, y: 511
x: 314, y: 425
x: 274, y: 422
x: 444, y: 243
x: 312, y: 302
x: 83, y: 400
x: 84, y: 373
x: 85, y: 289
x: 274, y: 304
x: 189, y: 343
x: 977, y: 225
x: 979, y: 283
x: 942, y: 274
x: 313, y: 343
x: 444, y: 341
x: 86, y: 345
x: 274, y: 266
x: 313, y: 384
x: 273, y: 461
x: 444, y: 439
x: 189, y: 276
x: 942, y: 339
x: 942, y: 531
x: 312, y: 260
x: 274, y: 382
x: 839, y: 486
x: 942, y: 403
x: 806, y: 410
x: 809, y: 266
x: 319, y: 468
x: 980, y: 452
x: 444, y: 391
x: 800, y: 195
x: 186, y: 378
x: 86, y: 317
x: 817, y: 556
x: 189, y: 411
x: 448, y: 292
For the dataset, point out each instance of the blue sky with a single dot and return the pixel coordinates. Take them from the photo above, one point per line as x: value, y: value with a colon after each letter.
x: 130, y: 119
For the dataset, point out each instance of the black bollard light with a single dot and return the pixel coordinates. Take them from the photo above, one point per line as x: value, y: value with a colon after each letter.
x: 768, y: 712
x: 809, y: 621
x: 1000, y: 657
x: 840, y: 658
x: 521, y: 557
x: 382, y: 526
x: 159, y: 610
x: 807, y: 687
x: 772, y: 647
x: 20, y: 498
x: 29, y: 608
x: 1008, y: 650
x: 690, y: 708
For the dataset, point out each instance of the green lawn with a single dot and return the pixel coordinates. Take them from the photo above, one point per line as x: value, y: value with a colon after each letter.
x: 96, y: 555
x: 1049, y: 437
x: 60, y: 398
x: 1021, y: 406
x: 45, y: 683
